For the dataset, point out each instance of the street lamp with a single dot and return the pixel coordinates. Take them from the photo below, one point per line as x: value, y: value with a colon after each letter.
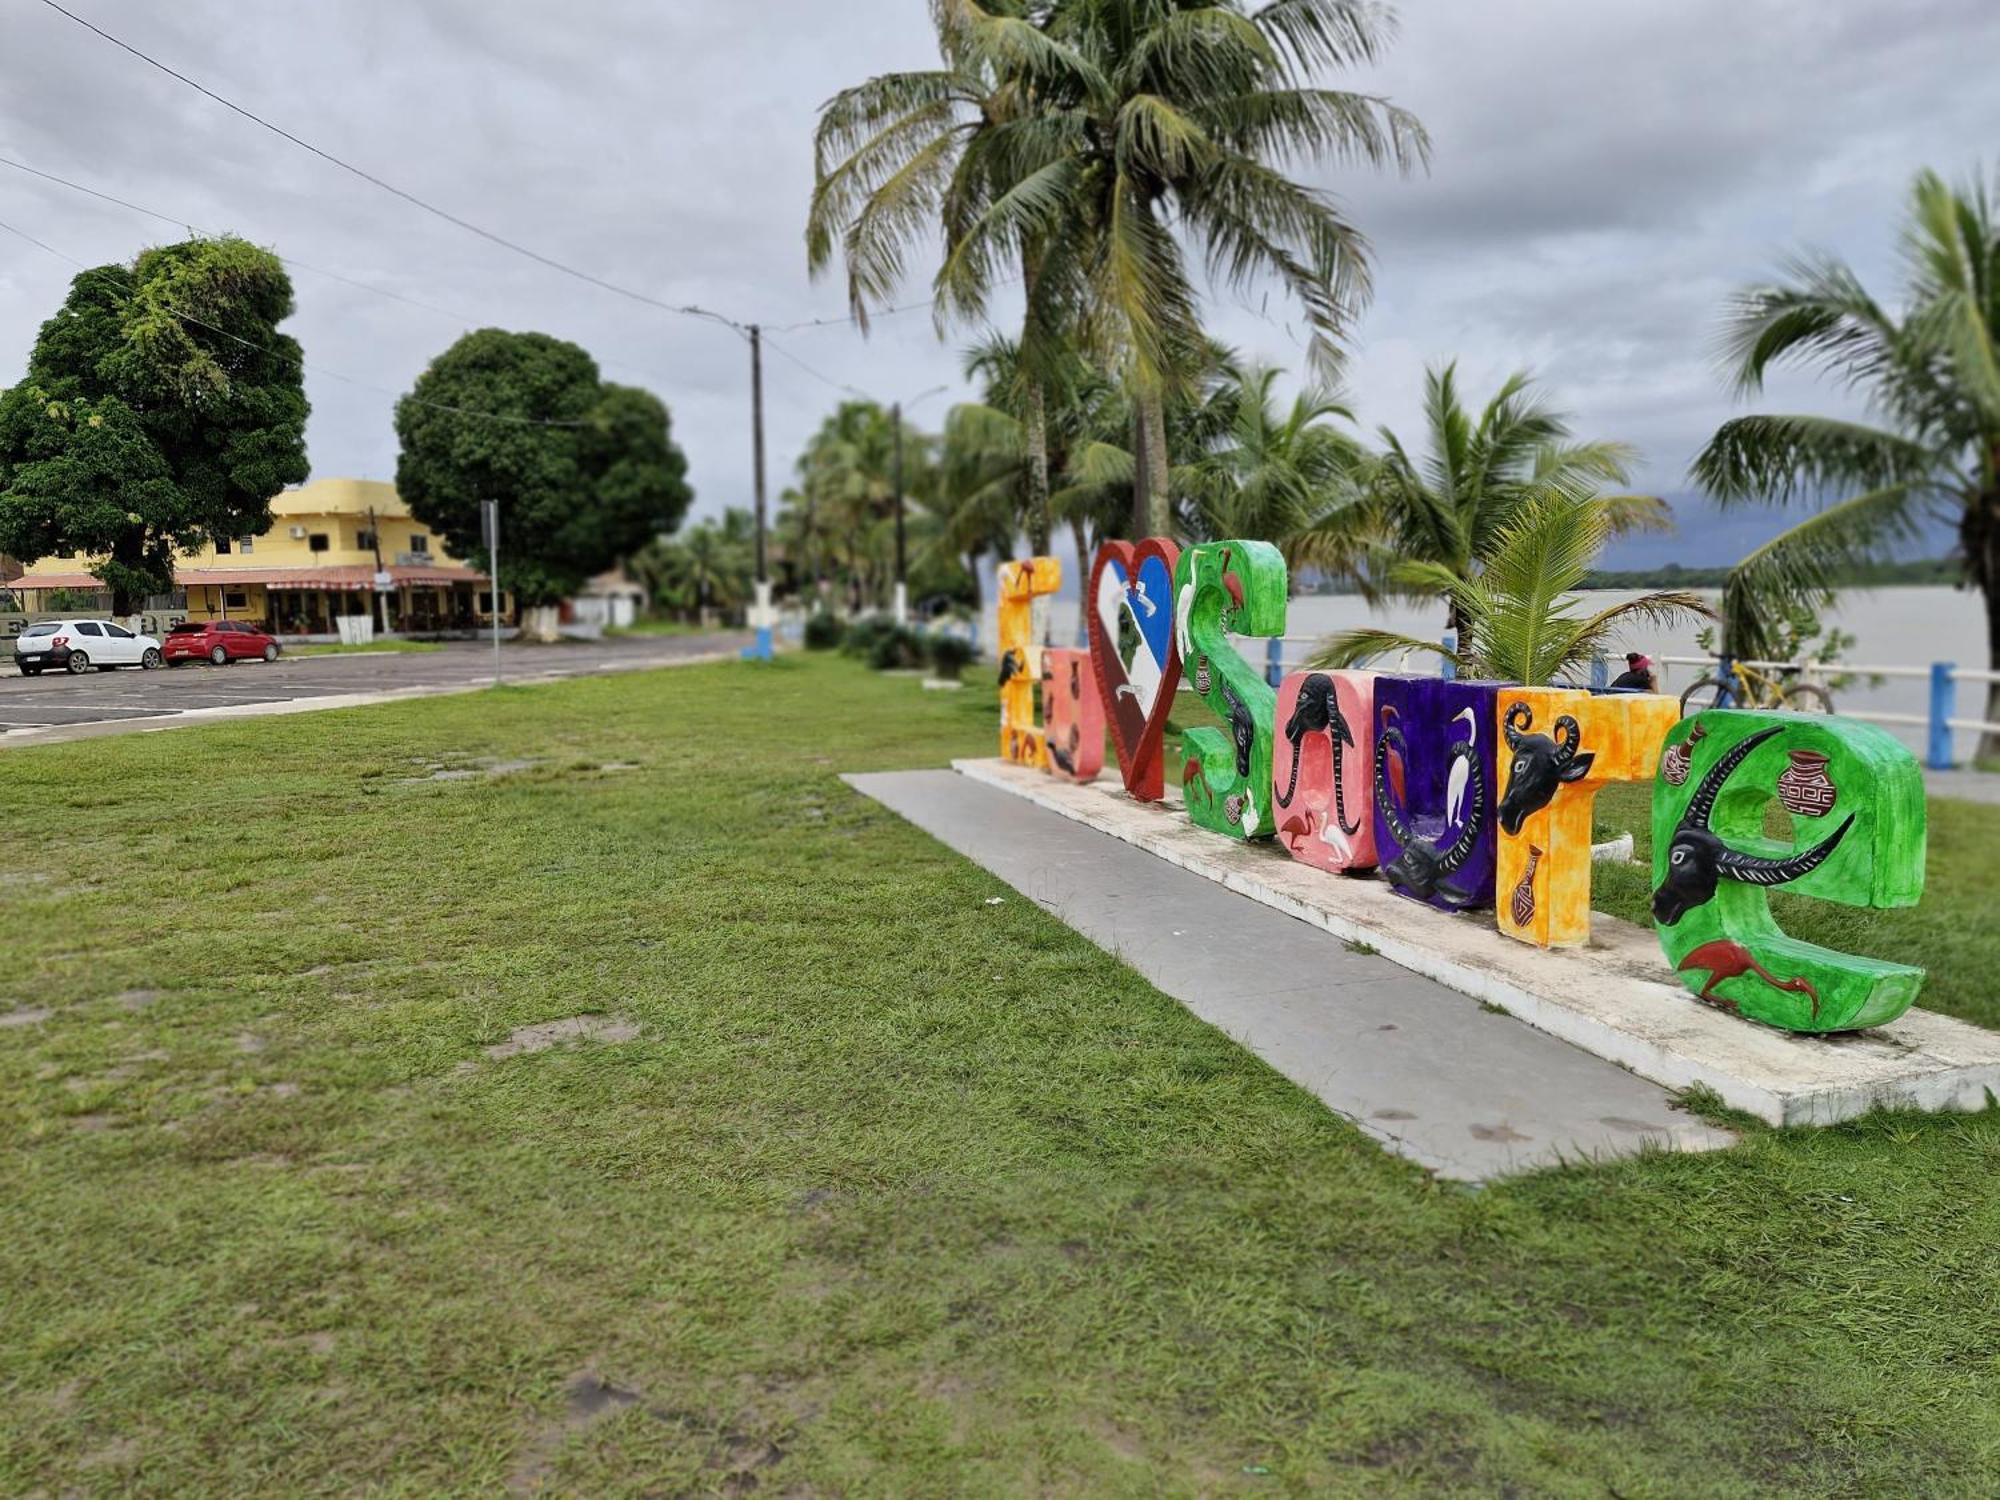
x: 902, y: 575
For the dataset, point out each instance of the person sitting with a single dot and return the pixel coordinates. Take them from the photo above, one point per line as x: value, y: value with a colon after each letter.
x: 1638, y: 675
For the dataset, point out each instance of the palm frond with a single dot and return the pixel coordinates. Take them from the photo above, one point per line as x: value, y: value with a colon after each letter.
x: 1353, y: 648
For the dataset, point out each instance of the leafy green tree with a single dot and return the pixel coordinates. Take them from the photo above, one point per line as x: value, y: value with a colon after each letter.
x: 1518, y: 615
x: 585, y: 472
x: 161, y: 410
x: 845, y: 502
x: 1269, y: 473
x: 1154, y: 126
x: 1450, y: 506
x: 708, y: 566
x: 1931, y: 376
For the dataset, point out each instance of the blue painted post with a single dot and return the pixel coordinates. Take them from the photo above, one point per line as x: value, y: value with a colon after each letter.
x: 1274, y: 665
x: 1725, y: 671
x: 1447, y: 668
x: 1600, y: 674
x: 1944, y: 703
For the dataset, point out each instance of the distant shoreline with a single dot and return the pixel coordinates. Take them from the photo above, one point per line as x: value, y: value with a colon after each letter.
x: 1936, y: 572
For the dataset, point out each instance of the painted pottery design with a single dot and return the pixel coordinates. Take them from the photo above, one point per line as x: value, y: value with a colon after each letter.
x: 1524, y: 894
x: 1805, y: 788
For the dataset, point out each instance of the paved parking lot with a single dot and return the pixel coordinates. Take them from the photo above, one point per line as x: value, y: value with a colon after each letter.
x: 54, y: 705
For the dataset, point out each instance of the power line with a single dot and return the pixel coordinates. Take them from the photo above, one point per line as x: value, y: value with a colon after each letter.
x: 464, y: 319
x: 685, y: 309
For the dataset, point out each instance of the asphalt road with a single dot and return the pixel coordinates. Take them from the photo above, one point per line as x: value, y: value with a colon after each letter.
x: 98, y: 701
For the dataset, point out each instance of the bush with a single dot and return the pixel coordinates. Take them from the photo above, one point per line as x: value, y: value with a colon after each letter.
x: 862, y: 635
x: 895, y: 649
x: 949, y: 655
x: 823, y: 631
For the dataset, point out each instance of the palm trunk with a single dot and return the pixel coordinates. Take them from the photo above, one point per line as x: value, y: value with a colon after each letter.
x: 1152, y: 459
x: 1039, y: 523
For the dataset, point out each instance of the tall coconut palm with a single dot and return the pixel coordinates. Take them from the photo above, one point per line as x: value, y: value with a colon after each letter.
x: 1269, y: 473
x: 1149, y: 125
x: 1518, y: 614
x: 1931, y: 450
x: 893, y: 163
x: 1450, y: 506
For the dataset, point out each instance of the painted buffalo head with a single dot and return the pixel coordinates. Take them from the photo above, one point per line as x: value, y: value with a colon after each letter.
x: 1542, y: 763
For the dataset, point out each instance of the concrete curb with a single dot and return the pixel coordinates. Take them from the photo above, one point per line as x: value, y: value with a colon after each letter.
x: 1614, y: 998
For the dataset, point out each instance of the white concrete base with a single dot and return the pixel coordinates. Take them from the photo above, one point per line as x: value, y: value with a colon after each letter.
x: 1615, y: 998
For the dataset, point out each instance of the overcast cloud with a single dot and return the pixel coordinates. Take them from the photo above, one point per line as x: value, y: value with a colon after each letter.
x: 1604, y: 174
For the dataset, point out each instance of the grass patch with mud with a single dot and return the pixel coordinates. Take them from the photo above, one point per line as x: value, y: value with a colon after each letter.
x: 644, y: 1112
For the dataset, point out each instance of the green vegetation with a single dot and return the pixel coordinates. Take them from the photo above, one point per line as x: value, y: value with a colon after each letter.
x: 373, y: 647
x: 855, y: 1182
x: 161, y: 410
x: 1931, y: 378
x: 586, y: 470
x: 1516, y: 614
x: 1858, y: 575
x: 709, y: 567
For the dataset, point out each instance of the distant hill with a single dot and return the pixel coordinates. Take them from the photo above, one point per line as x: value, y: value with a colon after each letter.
x: 1931, y: 570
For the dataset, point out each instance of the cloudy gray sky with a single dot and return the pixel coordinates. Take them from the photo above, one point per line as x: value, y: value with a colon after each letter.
x: 1603, y: 175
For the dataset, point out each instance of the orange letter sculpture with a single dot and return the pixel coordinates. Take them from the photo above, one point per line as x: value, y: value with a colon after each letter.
x: 1074, y: 714
x: 1558, y: 749
x: 1021, y: 583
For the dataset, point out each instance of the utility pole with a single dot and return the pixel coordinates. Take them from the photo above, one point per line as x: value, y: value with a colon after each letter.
x: 902, y: 578
x: 760, y: 649
x: 489, y: 522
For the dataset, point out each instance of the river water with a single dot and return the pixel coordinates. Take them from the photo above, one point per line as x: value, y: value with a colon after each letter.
x: 1900, y: 627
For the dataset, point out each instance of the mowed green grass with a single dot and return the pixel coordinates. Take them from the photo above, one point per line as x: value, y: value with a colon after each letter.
x: 892, y: 1189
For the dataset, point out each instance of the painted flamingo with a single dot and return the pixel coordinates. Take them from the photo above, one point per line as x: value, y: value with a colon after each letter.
x: 1727, y: 959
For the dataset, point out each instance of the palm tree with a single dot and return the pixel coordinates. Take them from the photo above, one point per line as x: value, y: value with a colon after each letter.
x: 1932, y: 447
x: 1450, y: 507
x: 1271, y: 473
x: 1517, y: 614
x: 893, y: 160
x: 1144, y: 125
x: 706, y: 567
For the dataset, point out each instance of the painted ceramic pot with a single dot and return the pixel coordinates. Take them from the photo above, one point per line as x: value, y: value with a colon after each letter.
x: 1674, y: 764
x: 1804, y: 787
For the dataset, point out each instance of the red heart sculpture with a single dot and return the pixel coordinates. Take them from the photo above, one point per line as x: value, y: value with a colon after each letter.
x: 1138, y: 690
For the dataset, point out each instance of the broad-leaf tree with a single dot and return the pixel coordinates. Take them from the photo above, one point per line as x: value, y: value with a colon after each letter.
x: 1520, y: 619
x: 1153, y: 127
x: 1450, y: 504
x: 586, y: 472
x: 161, y: 411
x: 1930, y: 446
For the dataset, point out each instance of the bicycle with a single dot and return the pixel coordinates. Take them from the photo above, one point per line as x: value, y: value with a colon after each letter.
x: 1747, y: 687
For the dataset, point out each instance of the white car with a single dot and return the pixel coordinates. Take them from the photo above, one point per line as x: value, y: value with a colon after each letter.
x: 79, y: 645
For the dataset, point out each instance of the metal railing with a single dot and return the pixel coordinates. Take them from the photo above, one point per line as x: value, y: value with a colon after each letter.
x: 1938, y: 724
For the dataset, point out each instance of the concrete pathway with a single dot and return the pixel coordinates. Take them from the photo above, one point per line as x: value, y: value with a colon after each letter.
x: 1468, y: 1093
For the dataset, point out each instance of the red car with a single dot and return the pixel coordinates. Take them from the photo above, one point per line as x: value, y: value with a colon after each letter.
x: 218, y: 641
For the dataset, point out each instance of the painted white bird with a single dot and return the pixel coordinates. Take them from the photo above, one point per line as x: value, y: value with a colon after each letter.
x: 1181, y: 608
x: 1461, y: 767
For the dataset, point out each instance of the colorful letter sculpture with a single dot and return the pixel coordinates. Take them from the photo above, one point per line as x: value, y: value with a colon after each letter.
x: 1321, y: 768
x: 1856, y: 803
x: 1073, y: 714
x: 1134, y: 657
x: 1433, y: 786
x: 1021, y: 739
x: 1557, y: 750
x: 1221, y: 587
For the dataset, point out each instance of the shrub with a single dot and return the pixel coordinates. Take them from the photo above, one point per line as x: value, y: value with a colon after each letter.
x: 823, y: 631
x: 862, y: 635
x: 949, y: 654
x: 896, y: 648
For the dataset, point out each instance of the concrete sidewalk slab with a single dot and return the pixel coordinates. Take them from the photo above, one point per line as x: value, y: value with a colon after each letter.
x: 1615, y: 998
x: 1468, y: 1093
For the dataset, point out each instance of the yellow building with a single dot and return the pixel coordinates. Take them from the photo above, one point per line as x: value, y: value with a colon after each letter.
x: 335, y: 547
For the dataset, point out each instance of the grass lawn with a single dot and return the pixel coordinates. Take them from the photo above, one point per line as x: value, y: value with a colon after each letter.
x: 852, y: 1183
x: 338, y: 649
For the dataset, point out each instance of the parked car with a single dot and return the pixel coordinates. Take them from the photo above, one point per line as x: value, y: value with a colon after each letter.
x: 79, y: 645
x: 218, y: 641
